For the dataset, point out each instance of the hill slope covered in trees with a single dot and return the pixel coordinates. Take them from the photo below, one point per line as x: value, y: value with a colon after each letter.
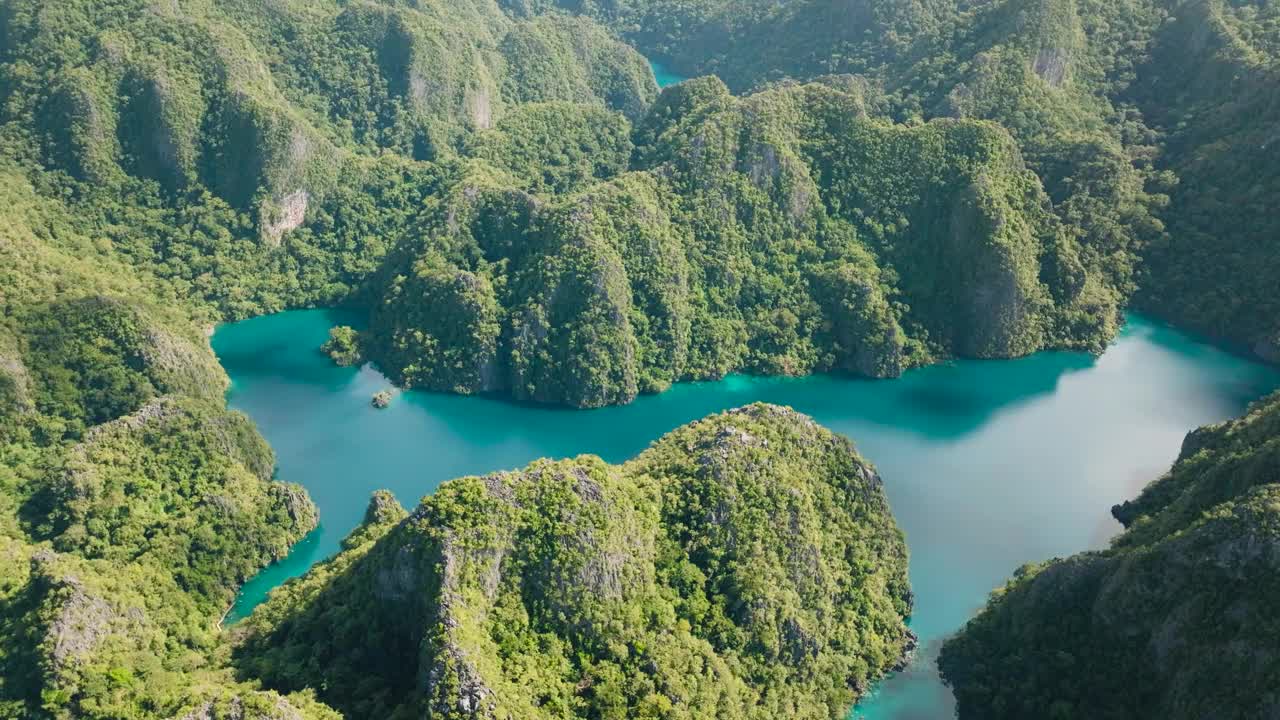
x: 132, y: 503
x: 665, y: 587
x: 787, y: 232
x: 941, y: 179
x: 1177, y: 619
x: 1148, y: 121
x: 262, y: 156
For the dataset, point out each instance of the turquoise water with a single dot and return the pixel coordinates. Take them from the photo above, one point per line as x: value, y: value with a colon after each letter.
x: 664, y: 76
x: 987, y: 464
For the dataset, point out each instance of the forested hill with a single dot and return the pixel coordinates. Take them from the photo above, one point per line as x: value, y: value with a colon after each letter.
x: 661, y: 588
x: 260, y: 104
x: 1150, y: 122
x: 576, y: 242
x: 132, y: 503
x: 256, y: 156
x: 787, y: 232
x: 1176, y: 620
x: 867, y: 186
x: 156, y: 160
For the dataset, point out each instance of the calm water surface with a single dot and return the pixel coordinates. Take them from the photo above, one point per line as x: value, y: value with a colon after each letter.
x: 663, y: 76
x: 987, y: 464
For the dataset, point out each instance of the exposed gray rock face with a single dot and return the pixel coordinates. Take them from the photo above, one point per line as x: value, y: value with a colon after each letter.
x: 296, y: 502
x: 284, y: 216
x: 455, y: 687
x: 451, y: 683
x: 1050, y: 64
x: 80, y: 623
x: 479, y: 108
x: 181, y: 365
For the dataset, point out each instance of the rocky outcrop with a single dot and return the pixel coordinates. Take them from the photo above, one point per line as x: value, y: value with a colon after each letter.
x: 182, y: 366
x: 479, y: 108
x: 1050, y: 64
x: 383, y: 508
x: 343, y: 347
x: 78, y: 622
x: 284, y: 215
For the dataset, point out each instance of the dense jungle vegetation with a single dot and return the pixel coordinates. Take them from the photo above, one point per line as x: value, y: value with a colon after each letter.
x: 154, y: 158
x: 1148, y: 121
x: 1176, y: 620
x: 867, y: 186
x: 664, y: 587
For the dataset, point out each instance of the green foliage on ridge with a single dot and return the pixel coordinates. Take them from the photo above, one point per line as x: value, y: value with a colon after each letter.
x: 1175, y: 620
x: 1212, y: 82
x: 132, y: 504
x: 1147, y: 121
x: 307, y: 183
x: 501, y: 185
x: 787, y: 232
x: 343, y: 346
x: 665, y: 587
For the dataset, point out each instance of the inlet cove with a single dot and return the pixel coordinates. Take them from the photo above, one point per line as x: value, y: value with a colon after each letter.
x: 987, y: 464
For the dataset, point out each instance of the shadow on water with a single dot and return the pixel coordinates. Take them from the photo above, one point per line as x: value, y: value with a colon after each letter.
x: 950, y: 399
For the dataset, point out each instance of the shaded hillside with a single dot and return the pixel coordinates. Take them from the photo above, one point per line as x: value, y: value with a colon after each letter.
x: 1213, y: 85
x: 1176, y: 619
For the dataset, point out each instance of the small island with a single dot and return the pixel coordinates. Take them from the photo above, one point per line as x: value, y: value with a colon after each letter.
x: 382, y: 399
x: 343, y: 346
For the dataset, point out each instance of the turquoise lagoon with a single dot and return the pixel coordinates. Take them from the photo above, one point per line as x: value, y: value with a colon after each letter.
x: 988, y: 464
